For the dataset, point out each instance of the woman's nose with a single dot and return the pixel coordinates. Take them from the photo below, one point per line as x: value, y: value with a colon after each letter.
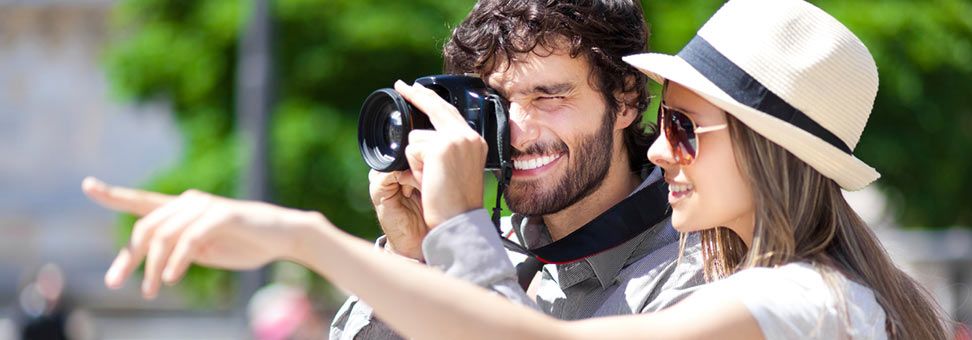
x: 660, y: 153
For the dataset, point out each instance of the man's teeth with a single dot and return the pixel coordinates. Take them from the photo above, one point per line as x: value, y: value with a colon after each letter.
x: 529, y: 164
x: 679, y: 187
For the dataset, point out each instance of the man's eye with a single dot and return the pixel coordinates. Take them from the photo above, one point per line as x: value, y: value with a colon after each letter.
x: 551, y: 97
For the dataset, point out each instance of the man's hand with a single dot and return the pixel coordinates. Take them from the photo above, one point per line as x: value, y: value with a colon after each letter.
x: 399, y: 208
x: 456, y: 154
x: 196, y: 227
x: 446, y: 164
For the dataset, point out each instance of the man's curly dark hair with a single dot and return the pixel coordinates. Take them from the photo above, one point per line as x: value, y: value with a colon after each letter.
x: 602, y: 31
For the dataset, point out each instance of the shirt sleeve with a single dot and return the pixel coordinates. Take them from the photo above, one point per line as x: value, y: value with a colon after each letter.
x: 468, y: 247
x: 355, y: 319
x: 465, y: 246
x: 682, y: 275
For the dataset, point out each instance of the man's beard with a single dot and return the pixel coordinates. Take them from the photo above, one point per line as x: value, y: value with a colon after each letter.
x: 584, y: 174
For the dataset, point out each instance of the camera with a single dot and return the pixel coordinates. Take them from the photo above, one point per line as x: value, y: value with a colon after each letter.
x: 386, y: 120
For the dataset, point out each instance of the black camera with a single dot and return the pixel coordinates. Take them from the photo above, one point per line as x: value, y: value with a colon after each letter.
x: 386, y: 120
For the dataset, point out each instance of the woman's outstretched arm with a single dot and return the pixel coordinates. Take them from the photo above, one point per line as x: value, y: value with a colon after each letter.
x: 423, y: 303
x: 418, y: 301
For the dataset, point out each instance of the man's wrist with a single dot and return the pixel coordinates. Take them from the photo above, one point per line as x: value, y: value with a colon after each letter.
x: 437, y: 219
x: 389, y: 248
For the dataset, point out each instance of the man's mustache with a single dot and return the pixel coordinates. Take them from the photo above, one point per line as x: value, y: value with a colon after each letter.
x: 541, y: 148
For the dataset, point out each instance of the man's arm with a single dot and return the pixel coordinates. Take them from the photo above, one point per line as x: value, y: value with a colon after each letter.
x: 465, y: 247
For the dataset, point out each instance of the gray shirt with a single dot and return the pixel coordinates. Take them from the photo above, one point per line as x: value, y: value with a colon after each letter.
x: 641, y: 275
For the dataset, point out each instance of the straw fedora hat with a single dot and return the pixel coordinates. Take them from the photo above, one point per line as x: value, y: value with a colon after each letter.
x: 787, y: 70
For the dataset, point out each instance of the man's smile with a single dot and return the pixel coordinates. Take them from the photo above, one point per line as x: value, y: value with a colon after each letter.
x: 532, y: 165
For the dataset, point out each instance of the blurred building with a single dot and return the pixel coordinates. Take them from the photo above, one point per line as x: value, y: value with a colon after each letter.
x: 59, y: 123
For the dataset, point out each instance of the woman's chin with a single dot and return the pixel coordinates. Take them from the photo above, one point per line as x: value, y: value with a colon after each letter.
x: 680, y: 222
x: 684, y: 222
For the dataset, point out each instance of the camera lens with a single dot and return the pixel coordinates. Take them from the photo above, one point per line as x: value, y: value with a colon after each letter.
x: 393, y: 130
x: 385, y: 121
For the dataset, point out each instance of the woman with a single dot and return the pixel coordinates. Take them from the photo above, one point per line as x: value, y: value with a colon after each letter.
x: 760, y: 114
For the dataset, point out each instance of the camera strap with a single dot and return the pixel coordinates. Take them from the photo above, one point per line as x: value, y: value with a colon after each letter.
x: 622, y: 222
x: 503, y: 151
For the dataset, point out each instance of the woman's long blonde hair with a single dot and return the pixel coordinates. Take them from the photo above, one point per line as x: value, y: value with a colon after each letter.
x: 801, y: 215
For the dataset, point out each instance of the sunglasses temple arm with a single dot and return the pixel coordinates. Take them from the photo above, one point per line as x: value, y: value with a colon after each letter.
x: 704, y: 129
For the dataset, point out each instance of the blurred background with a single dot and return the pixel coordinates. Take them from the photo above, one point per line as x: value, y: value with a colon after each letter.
x: 258, y: 99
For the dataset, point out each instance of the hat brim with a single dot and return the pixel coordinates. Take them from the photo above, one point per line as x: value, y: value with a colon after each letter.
x: 848, y: 171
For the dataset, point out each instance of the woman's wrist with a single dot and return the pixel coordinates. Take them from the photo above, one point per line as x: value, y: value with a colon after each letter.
x: 308, y: 235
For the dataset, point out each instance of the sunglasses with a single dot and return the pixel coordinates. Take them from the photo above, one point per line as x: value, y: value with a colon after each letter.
x: 682, y: 133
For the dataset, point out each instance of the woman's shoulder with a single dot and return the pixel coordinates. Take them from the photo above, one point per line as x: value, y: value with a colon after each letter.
x: 795, y: 275
x: 799, y: 300
x: 802, y: 273
x: 798, y: 284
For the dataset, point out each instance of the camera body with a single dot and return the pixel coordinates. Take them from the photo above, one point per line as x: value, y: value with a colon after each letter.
x: 386, y: 120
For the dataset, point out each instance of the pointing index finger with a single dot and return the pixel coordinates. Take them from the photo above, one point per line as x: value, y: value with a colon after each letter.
x: 123, y: 199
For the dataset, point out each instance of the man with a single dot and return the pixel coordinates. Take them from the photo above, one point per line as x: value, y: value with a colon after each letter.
x: 578, y: 149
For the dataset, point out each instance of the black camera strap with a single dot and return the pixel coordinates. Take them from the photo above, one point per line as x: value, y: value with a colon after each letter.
x: 503, y: 151
x: 526, y: 270
x: 622, y: 222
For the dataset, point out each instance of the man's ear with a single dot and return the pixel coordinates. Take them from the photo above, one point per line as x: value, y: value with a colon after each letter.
x: 626, y: 111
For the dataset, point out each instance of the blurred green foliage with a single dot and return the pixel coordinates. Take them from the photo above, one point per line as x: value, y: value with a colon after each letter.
x: 330, y: 54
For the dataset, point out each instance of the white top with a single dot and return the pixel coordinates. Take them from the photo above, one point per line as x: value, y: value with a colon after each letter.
x: 794, y: 302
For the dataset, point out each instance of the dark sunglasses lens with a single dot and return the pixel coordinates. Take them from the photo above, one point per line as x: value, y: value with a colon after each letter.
x: 680, y: 132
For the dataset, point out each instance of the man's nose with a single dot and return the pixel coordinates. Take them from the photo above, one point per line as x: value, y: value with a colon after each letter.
x: 523, y: 127
x: 660, y: 153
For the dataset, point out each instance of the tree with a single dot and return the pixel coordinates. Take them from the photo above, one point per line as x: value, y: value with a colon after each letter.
x: 329, y: 57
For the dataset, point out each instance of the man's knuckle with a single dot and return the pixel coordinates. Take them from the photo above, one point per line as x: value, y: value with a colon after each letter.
x: 475, y: 139
x: 450, y: 147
